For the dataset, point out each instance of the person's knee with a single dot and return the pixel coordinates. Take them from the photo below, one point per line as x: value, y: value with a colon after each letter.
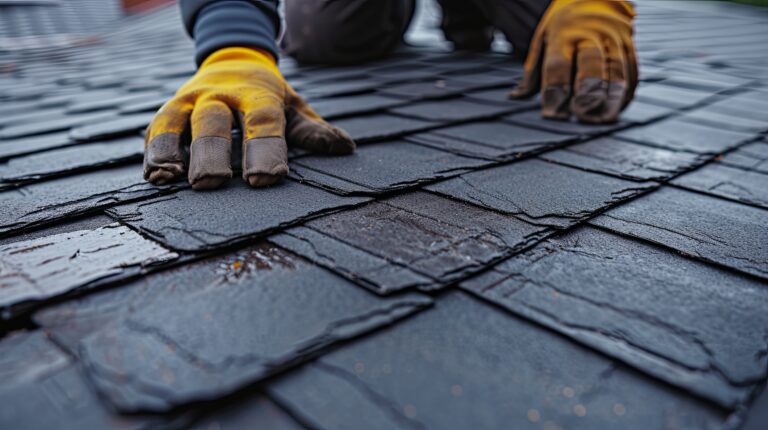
x: 337, y: 32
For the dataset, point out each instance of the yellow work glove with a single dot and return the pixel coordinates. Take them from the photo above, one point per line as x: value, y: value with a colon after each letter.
x: 583, y: 58
x: 245, y: 82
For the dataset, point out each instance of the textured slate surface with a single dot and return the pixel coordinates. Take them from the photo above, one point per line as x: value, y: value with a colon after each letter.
x: 680, y: 135
x: 690, y: 324
x: 668, y: 95
x: 729, y: 182
x: 27, y: 145
x: 413, y: 240
x: 555, y: 195
x: 365, y: 103
x: 704, y: 227
x: 415, y: 376
x: 51, y: 201
x: 70, y: 160
x: 491, y: 140
x: 376, y: 127
x: 51, y: 266
x: 110, y: 127
x: 381, y: 167
x: 196, y: 221
x: 228, y: 337
x: 626, y: 159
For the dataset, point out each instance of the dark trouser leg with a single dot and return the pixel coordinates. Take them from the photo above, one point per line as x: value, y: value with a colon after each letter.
x: 517, y: 19
x: 465, y: 25
x: 344, y: 31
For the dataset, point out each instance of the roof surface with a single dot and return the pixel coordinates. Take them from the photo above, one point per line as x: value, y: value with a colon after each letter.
x: 471, y: 266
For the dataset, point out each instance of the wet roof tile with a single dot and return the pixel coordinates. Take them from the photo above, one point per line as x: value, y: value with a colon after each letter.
x: 708, y: 228
x: 664, y: 316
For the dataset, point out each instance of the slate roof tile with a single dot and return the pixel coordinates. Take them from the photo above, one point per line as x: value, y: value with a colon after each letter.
x: 731, y: 183
x: 415, y: 376
x: 193, y: 221
x: 412, y: 240
x: 665, y: 316
x: 381, y: 167
x: 60, y: 199
x: 671, y: 96
x: 110, y: 127
x: 70, y: 160
x: 58, y: 124
x: 626, y: 159
x: 555, y: 196
x: 28, y: 145
x: 708, y: 228
x: 40, y: 269
x: 336, y: 107
x: 229, y: 336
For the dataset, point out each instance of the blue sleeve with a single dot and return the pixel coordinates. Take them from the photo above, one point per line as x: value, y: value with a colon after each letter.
x: 216, y: 24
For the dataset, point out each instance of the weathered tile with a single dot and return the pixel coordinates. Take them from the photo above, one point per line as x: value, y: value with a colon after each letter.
x: 114, y: 102
x: 70, y: 160
x: 491, y: 140
x: 729, y: 182
x: 626, y: 159
x: 452, y: 110
x: 753, y: 156
x: 416, y: 240
x: 40, y: 269
x: 110, y: 127
x: 381, y: 167
x: 533, y: 119
x: 541, y: 193
x: 240, y: 322
x: 335, y: 107
x: 247, y: 412
x: 377, y: 127
x: 416, y: 376
x: 683, y: 321
x: 748, y: 105
x: 50, y: 201
x: 680, y: 135
x: 195, y: 221
x: 708, y: 228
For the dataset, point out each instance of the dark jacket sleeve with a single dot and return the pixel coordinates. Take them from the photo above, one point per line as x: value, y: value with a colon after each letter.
x: 216, y: 24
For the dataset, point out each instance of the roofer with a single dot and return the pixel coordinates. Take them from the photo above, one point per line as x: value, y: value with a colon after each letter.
x: 580, y: 54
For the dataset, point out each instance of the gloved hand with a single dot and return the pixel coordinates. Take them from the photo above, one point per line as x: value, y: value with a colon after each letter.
x: 247, y: 82
x: 583, y: 58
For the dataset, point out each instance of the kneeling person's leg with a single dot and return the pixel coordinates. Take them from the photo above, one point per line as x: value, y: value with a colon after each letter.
x: 344, y: 31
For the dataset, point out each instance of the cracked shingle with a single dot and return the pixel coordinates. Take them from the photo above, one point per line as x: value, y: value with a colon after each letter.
x: 541, y: 193
x: 685, y: 322
x: 729, y: 182
x: 465, y: 365
x: 240, y: 321
x: 416, y: 240
x: 195, y: 221
x: 626, y: 159
x: 47, y: 267
x: 708, y: 228
x: 55, y: 200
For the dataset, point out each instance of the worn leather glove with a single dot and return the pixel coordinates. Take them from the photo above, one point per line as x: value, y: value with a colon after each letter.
x: 246, y: 82
x: 583, y: 58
